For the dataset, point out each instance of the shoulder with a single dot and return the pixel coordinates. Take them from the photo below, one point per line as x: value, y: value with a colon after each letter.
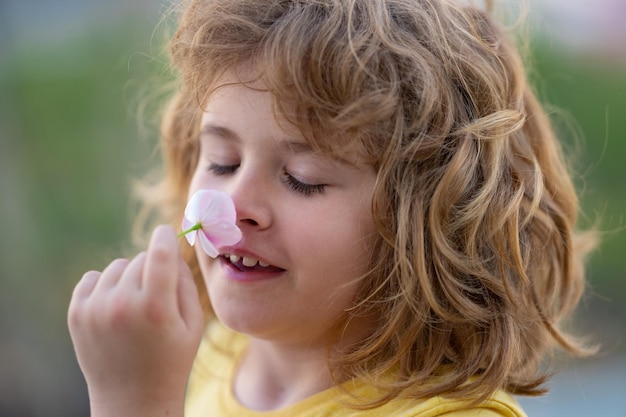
x: 500, y: 404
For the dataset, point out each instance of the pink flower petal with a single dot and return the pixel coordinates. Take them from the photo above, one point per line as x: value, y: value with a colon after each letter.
x: 207, y: 245
x: 223, y: 233
x: 216, y: 213
x: 215, y: 205
x: 191, y: 237
x: 192, y: 211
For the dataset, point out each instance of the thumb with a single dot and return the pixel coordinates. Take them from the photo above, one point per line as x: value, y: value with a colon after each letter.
x: 161, y: 267
x: 188, y: 300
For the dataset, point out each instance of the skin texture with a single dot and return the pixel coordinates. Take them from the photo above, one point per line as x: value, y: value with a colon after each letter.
x: 308, y: 217
x: 136, y: 327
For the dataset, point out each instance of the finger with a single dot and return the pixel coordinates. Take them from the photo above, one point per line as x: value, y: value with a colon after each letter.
x: 85, y: 286
x: 111, y: 274
x: 160, y: 274
x: 132, y: 275
x: 81, y: 292
x: 188, y: 300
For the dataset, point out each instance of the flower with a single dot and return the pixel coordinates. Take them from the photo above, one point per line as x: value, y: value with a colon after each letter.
x: 210, y: 216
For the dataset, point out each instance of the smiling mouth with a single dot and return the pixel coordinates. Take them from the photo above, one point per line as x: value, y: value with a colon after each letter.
x: 249, y: 264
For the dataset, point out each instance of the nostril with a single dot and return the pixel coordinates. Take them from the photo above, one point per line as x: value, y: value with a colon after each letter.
x: 251, y: 222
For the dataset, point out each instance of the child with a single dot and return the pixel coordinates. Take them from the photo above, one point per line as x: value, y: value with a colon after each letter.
x: 408, y: 223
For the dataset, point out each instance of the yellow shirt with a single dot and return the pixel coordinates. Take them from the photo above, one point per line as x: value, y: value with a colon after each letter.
x: 209, y: 393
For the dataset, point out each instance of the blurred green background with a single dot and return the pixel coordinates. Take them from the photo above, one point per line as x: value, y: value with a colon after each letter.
x: 73, y: 80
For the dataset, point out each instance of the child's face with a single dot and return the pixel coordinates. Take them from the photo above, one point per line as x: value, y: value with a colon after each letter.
x: 305, y: 215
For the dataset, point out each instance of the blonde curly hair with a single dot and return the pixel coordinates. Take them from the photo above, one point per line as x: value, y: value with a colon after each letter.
x: 478, y: 259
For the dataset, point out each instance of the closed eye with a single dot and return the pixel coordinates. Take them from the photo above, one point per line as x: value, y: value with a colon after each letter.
x: 292, y: 182
x: 222, y: 169
x: 301, y: 187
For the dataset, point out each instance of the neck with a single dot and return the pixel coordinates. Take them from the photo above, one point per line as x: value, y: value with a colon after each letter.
x: 275, y: 373
x: 273, y: 376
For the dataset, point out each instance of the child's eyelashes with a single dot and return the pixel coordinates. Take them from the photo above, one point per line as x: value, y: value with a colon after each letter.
x: 292, y: 182
x: 222, y: 169
x: 301, y: 187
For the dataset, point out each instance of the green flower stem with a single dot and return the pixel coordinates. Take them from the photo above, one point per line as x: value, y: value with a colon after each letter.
x: 196, y: 226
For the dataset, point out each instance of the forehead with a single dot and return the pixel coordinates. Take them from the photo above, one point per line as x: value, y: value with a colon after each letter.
x: 234, y: 108
x: 245, y: 91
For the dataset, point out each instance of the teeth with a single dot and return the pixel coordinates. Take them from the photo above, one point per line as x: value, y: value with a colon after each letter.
x: 246, y: 260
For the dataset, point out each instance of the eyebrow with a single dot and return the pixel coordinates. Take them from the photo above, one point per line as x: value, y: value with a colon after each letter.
x: 223, y: 132
x: 295, y: 146
x: 219, y: 131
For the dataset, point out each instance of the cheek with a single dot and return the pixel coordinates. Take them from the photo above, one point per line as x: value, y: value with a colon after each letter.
x: 206, y: 263
x: 354, y: 239
x: 200, y: 180
x: 194, y: 184
x: 337, y: 263
x: 338, y: 248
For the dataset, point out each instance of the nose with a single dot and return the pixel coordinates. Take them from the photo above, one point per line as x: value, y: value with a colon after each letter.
x: 251, y: 196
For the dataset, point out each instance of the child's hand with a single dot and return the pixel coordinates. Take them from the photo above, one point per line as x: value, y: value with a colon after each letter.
x: 136, y: 328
